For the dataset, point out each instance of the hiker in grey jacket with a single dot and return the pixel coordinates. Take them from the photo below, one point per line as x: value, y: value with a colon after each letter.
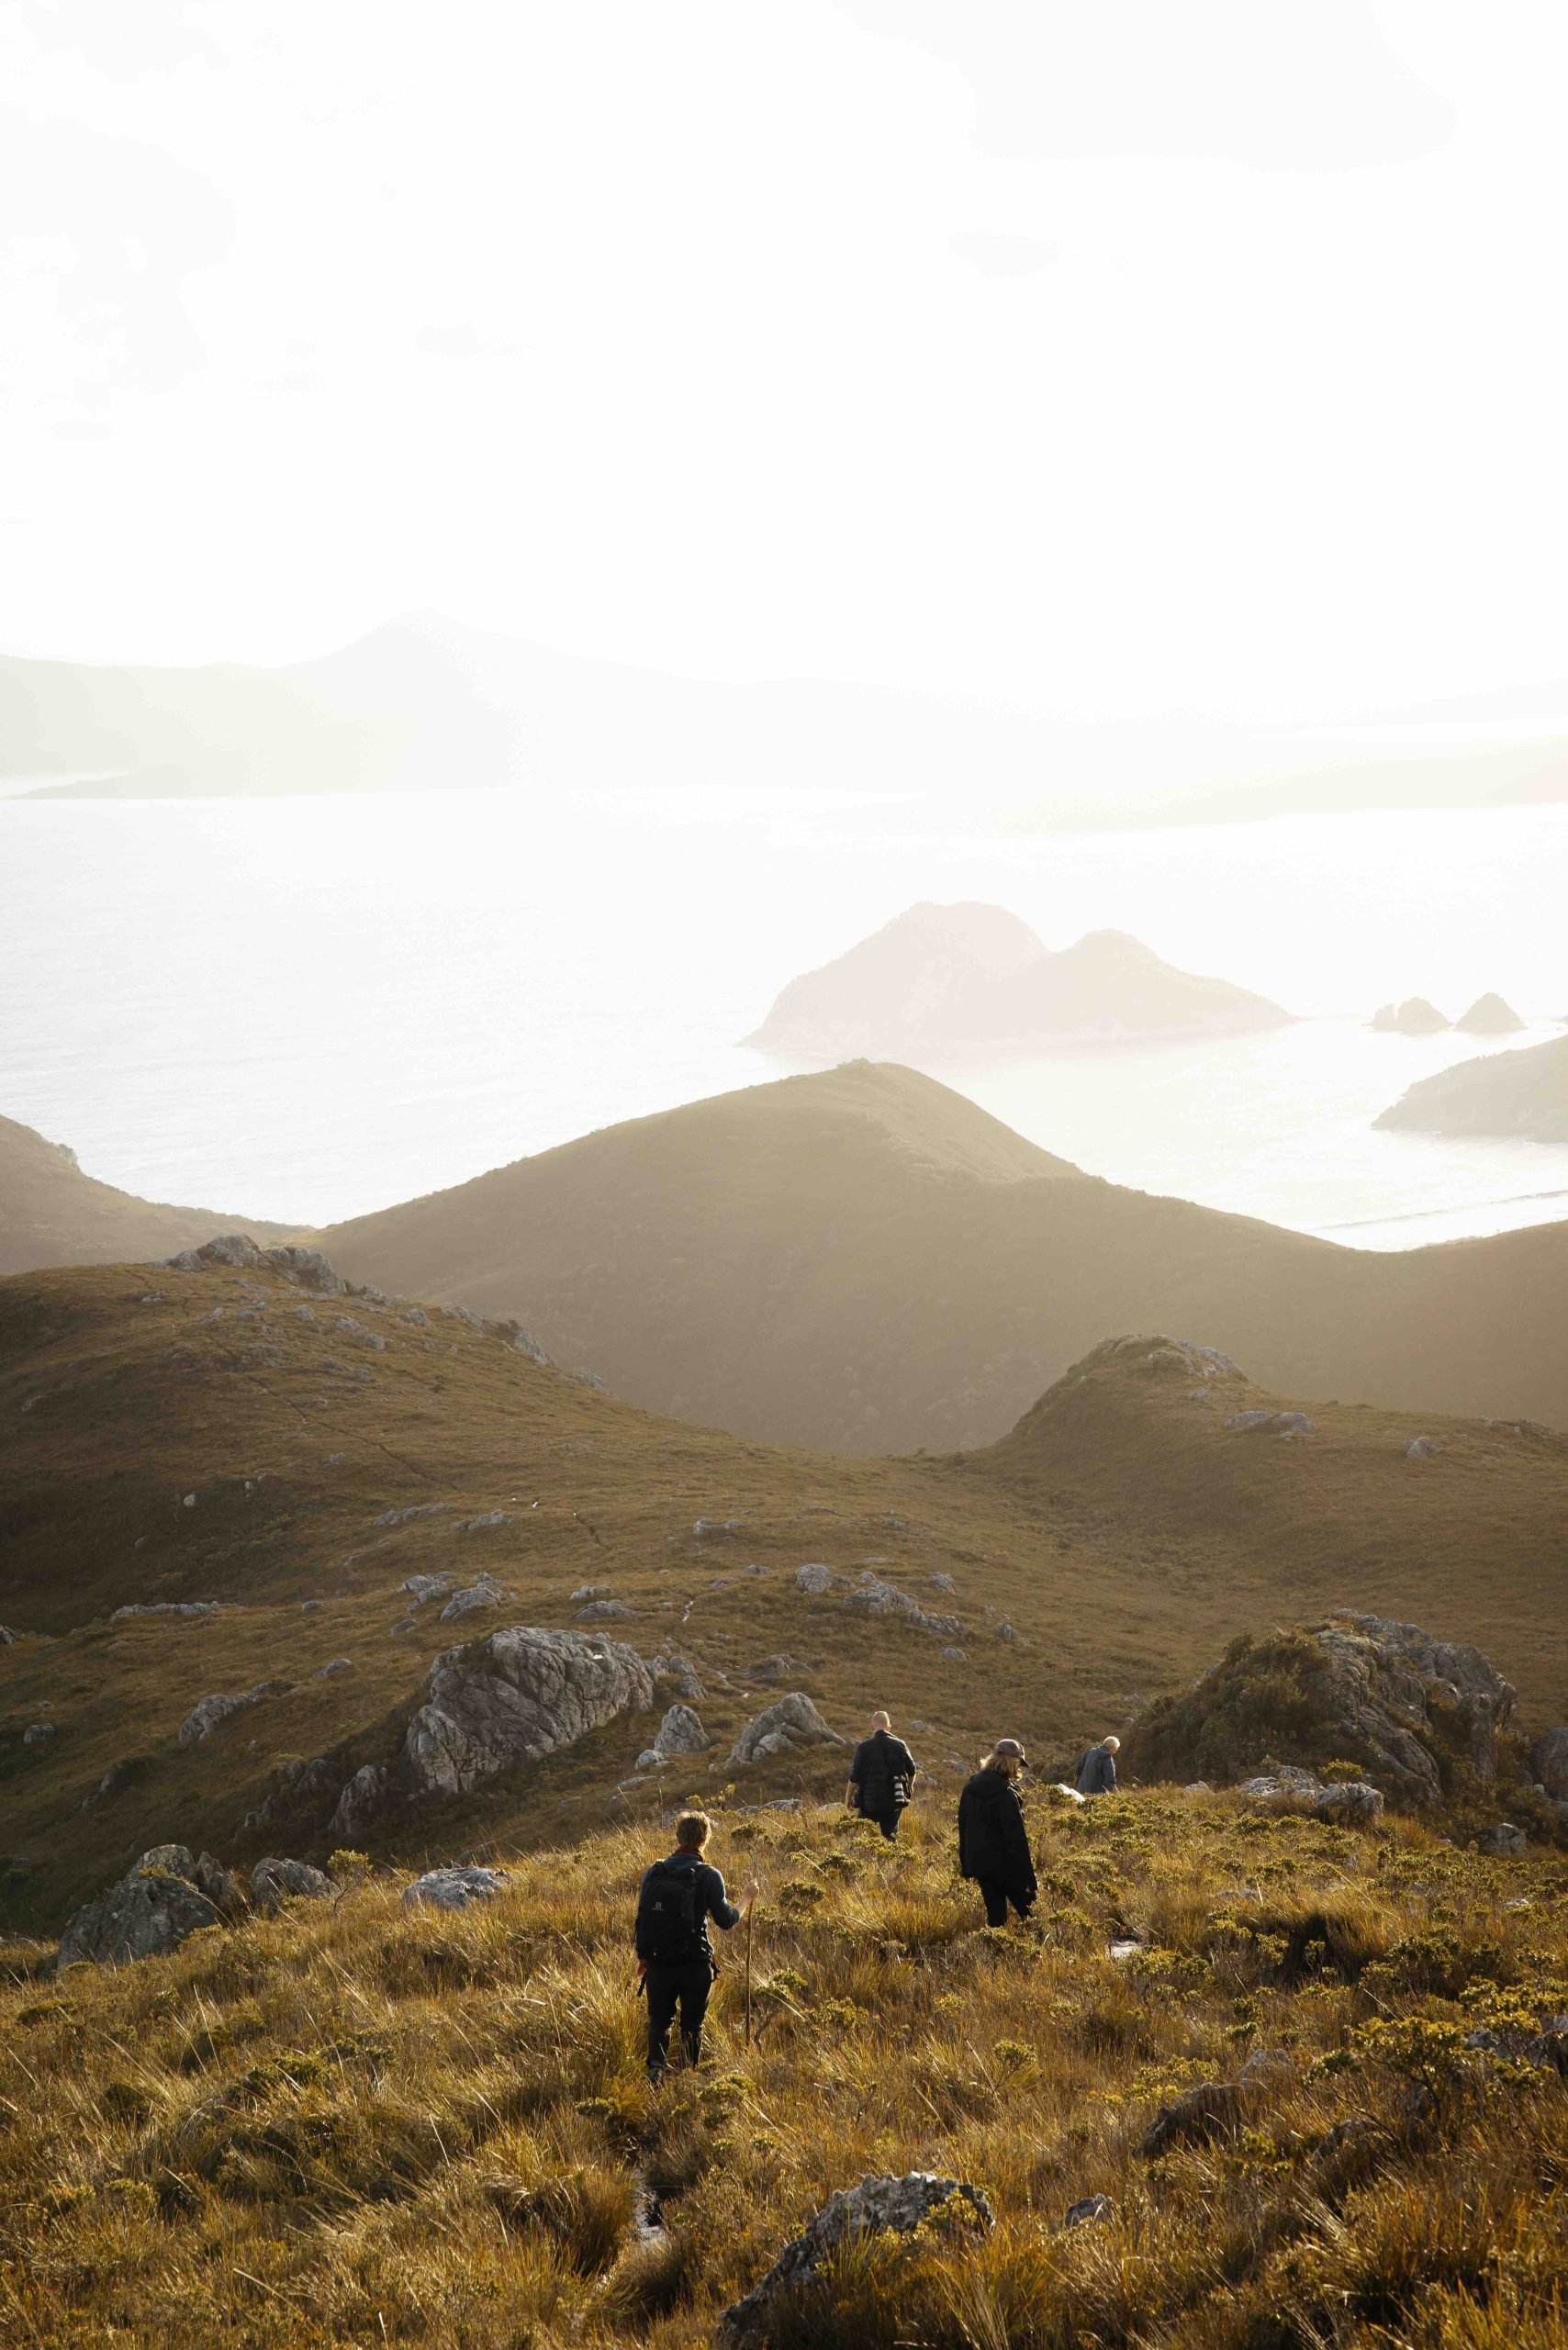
x: 1097, y: 1770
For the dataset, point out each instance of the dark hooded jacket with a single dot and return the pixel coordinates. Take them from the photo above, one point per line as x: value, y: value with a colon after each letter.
x: 1097, y: 1773
x: 993, y: 1842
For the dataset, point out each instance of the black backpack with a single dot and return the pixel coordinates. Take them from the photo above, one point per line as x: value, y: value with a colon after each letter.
x: 671, y: 1914
x: 881, y: 1790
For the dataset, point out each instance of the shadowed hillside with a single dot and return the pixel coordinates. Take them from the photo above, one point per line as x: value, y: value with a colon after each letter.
x: 283, y: 1462
x: 865, y: 1260
x: 1149, y: 1438
x: 52, y: 1213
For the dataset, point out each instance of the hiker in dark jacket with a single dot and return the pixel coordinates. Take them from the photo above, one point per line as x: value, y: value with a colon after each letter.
x: 678, y: 1897
x: 882, y: 1777
x: 1097, y: 1768
x: 993, y: 1842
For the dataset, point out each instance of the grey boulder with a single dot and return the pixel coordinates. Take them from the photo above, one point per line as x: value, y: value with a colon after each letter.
x: 1502, y: 1837
x: 882, y: 2203
x: 789, y: 1727
x: 274, y: 1881
x: 153, y: 1909
x: 1548, y: 1761
x: 454, y: 1888
x: 680, y: 1732
x: 205, y: 1717
x: 816, y: 1578
x: 515, y: 1697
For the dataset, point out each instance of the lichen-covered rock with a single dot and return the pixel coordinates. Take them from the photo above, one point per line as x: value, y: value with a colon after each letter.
x: 333, y: 1666
x: 672, y: 1664
x: 1272, y: 1424
x: 680, y: 1732
x: 881, y: 2203
x: 274, y: 1881
x: 309, y: 1269
x: 1411, y: 1710
x: 205, y: 1717
x: 482, y: 1593
x: 1421, y: 1448
x: 816, y: 1578
x: 364, y: 1796
x: 873, y: 1595
x: 153, y: 1909
x: 1502, y: 1837
x: 516, y: 1697
x: 1088, y: 2208
x: 1349, y: 1800
x: 603, y: 1611
x: 453, y: 1889
x: 787, y: 1726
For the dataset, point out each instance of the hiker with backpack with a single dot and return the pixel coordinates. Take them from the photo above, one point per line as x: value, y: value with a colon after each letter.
x: 882, y: 1776
x: 1097, y: 1768
x: 679, y: 1896
x: 993, y: 1841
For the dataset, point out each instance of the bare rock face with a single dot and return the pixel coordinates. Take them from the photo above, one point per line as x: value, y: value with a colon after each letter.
x: 362, y: 1799
x: 153, y: 1909
x: 786, y: 1727
x: 1410, y: 1710
x: 516, y: 1698
x: 882, y: 2202
x: 872, y: 1595
x: 273, y: 1882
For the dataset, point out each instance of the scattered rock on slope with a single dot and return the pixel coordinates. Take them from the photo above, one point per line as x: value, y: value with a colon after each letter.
x: 274, y: 1881
x: 205, y: 1716
x: 154, y: 1907
x: 787, y: 1726
x: 881, y: 2203
x: 453, y: 1889
x: 1411, y: 1709
x: 516, y: 1698
x: 362, y: 1799
x: 680, y: 1732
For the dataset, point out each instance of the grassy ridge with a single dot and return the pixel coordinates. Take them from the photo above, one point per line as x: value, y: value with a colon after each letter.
x: 355, y: 2124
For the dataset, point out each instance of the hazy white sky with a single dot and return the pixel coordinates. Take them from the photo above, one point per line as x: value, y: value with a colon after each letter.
x: 1146, y: 355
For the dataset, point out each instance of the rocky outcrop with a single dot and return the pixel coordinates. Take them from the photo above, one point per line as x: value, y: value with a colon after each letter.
x: 1414, y: 1017
x: 1345, y: 1800
x: 1489, y: 1016
x: 680, y: 1732
x: 274, y: 1881
x: 156, y: 1906
x: 480, y: 1594
x: 304, y: 1267
x: 815, y: 1578
x: 789, y: 1727
x: 1548, y: 1763
x: 364, y: 1796
x: 882, y: 2203
x: 515, y: 1697
x: 454, y: 1888
x: 1271, y: 1423
x: 205, y: 1717
x: 1416, y: 1713
x: 873, y: 1596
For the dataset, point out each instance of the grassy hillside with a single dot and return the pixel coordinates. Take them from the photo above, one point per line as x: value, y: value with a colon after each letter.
x: 864, y: 1261
x: 358, y: 2124
x: 124, y: 1392
x: 1129, y: 1447
x: 50, y: 1213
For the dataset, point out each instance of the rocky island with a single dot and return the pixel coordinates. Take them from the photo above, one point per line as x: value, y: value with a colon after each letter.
x: 1523, y: 1093
x: 972, y: 978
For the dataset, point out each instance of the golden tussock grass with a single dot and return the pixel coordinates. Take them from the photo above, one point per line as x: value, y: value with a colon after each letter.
x: 356, y: 2124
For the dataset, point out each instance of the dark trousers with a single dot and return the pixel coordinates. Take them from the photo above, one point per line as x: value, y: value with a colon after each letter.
x: 996, y: 1896
x: 888, y: 1821
x: 686, y: 1987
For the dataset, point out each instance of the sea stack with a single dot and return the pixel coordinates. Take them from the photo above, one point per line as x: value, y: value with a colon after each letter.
x: 1414, y: 1017
x: 1489, y: 1016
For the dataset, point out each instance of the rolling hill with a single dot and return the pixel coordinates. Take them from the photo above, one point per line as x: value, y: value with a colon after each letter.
x: 1523, y: 1092
x: 942, y: 980
x: 52, y: 1213
x: 278, y: 1460
x: 863, y: 1260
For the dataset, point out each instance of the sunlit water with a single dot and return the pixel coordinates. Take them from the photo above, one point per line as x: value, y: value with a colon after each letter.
x: 307, y: 1009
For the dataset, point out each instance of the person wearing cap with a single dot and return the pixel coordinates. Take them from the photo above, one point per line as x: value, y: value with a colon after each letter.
x: 1097, y: 1768
x: 993, y: 1841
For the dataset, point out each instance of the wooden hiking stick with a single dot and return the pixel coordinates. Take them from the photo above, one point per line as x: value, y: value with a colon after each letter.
x: 751, y: 1910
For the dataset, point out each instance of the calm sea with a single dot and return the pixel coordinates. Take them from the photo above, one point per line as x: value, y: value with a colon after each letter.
x: 305, y: 1009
